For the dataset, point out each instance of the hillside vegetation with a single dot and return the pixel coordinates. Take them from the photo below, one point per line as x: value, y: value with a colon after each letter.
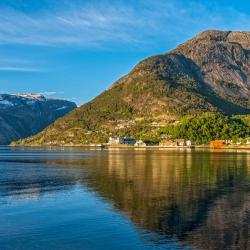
x: 195, y: 91
x: 209, y: 126
x: 201, y: 128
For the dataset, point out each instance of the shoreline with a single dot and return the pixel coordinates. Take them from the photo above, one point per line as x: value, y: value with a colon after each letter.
x: 103, y: 146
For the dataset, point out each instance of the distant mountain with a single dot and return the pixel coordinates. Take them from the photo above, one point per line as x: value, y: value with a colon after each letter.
x: 23, y: 115
x: 210, y: 72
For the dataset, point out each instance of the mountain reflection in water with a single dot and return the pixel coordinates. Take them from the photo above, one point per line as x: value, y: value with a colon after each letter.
x: 200, y: 198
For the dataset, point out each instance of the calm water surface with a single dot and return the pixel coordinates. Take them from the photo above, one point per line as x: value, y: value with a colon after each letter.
x: 124, y: 199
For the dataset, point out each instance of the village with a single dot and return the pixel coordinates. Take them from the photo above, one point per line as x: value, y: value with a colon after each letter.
x: 119, y: 141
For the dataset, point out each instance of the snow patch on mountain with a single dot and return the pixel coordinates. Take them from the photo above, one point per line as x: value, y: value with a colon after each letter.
x: 31, y: 96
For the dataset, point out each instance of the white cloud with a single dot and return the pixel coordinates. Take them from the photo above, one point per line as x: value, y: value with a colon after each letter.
x: 101, y: 23
x: 80, y: 25
x: 20, y: 69
x: 15, y: 64
x: 48, y: 93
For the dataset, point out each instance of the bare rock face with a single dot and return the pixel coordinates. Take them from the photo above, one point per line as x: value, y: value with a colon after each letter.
x: 243, y: 38
x: 219, y: 63
x: 23, y: 115
x: 223, y: 58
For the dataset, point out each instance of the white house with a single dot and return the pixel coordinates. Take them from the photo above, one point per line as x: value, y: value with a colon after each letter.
x: 121, y: 140
x: 140, y: 143
x: 190, y: 143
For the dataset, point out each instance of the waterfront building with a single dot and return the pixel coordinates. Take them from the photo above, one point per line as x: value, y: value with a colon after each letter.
x: 140, y: 143
x: 217, y: 143
x: 190, y: 143
x: 118, y: 140
x: 168, y: 143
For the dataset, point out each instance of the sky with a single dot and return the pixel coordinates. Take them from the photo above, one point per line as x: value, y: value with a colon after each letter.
x: 75, y: 49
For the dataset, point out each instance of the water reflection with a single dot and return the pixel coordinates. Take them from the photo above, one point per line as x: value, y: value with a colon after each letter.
x: 181, y: 194
x: 199, y: 198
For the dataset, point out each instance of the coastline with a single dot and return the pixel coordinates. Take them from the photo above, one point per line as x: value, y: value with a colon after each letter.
x: 110, y: 147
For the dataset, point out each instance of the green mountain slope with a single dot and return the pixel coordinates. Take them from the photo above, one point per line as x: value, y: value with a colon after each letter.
x: 209, y: 73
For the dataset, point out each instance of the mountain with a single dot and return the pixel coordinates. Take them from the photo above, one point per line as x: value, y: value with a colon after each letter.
x: 209, y: 73
x: 23, y: 115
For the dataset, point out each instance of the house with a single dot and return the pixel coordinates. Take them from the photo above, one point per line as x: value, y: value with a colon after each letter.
x: 115, y: 140
x: 243, y: 141
x: 118, y: 140
x: 129, y: 141
x: 168, y: 143
x: 239, y: 141
x: 190, y: 143
x: 140, y: 143
x: 173, y: 143
x: 229, y: 142
x: 217, y: 143
x: 180, y: 142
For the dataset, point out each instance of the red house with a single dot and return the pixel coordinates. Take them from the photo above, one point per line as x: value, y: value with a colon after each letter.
x: 217, y: 143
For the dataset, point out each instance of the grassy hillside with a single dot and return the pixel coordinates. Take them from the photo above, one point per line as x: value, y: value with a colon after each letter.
x: 135, y: 107
x: 200, y: 128
x: 207, y: 74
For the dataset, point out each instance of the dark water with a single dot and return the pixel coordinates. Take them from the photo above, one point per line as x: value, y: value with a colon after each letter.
x: 124, y: 199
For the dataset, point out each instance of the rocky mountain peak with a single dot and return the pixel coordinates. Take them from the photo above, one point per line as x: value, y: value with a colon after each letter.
x: 223, y: 59
x: 22, y: 115
x: 242, y: 38
x: 217, y: 36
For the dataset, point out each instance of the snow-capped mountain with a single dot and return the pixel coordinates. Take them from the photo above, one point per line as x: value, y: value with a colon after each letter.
x: 23, y: 115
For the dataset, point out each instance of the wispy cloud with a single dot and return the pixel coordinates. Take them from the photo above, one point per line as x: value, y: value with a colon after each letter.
x: 15, y: 64
x: 20, y: 69
x: 84, y: 25
x: 50, y: 93
x: 99, y: 23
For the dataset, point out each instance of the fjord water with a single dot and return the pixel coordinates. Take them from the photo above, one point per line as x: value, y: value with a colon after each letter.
x: 124, y: 199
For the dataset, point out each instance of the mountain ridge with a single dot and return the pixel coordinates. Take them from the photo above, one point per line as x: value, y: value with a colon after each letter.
x: 23, y: 115
x: 208, y: 73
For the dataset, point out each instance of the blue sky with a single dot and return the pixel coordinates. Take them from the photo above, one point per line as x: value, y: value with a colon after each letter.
x: 75, y: 49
